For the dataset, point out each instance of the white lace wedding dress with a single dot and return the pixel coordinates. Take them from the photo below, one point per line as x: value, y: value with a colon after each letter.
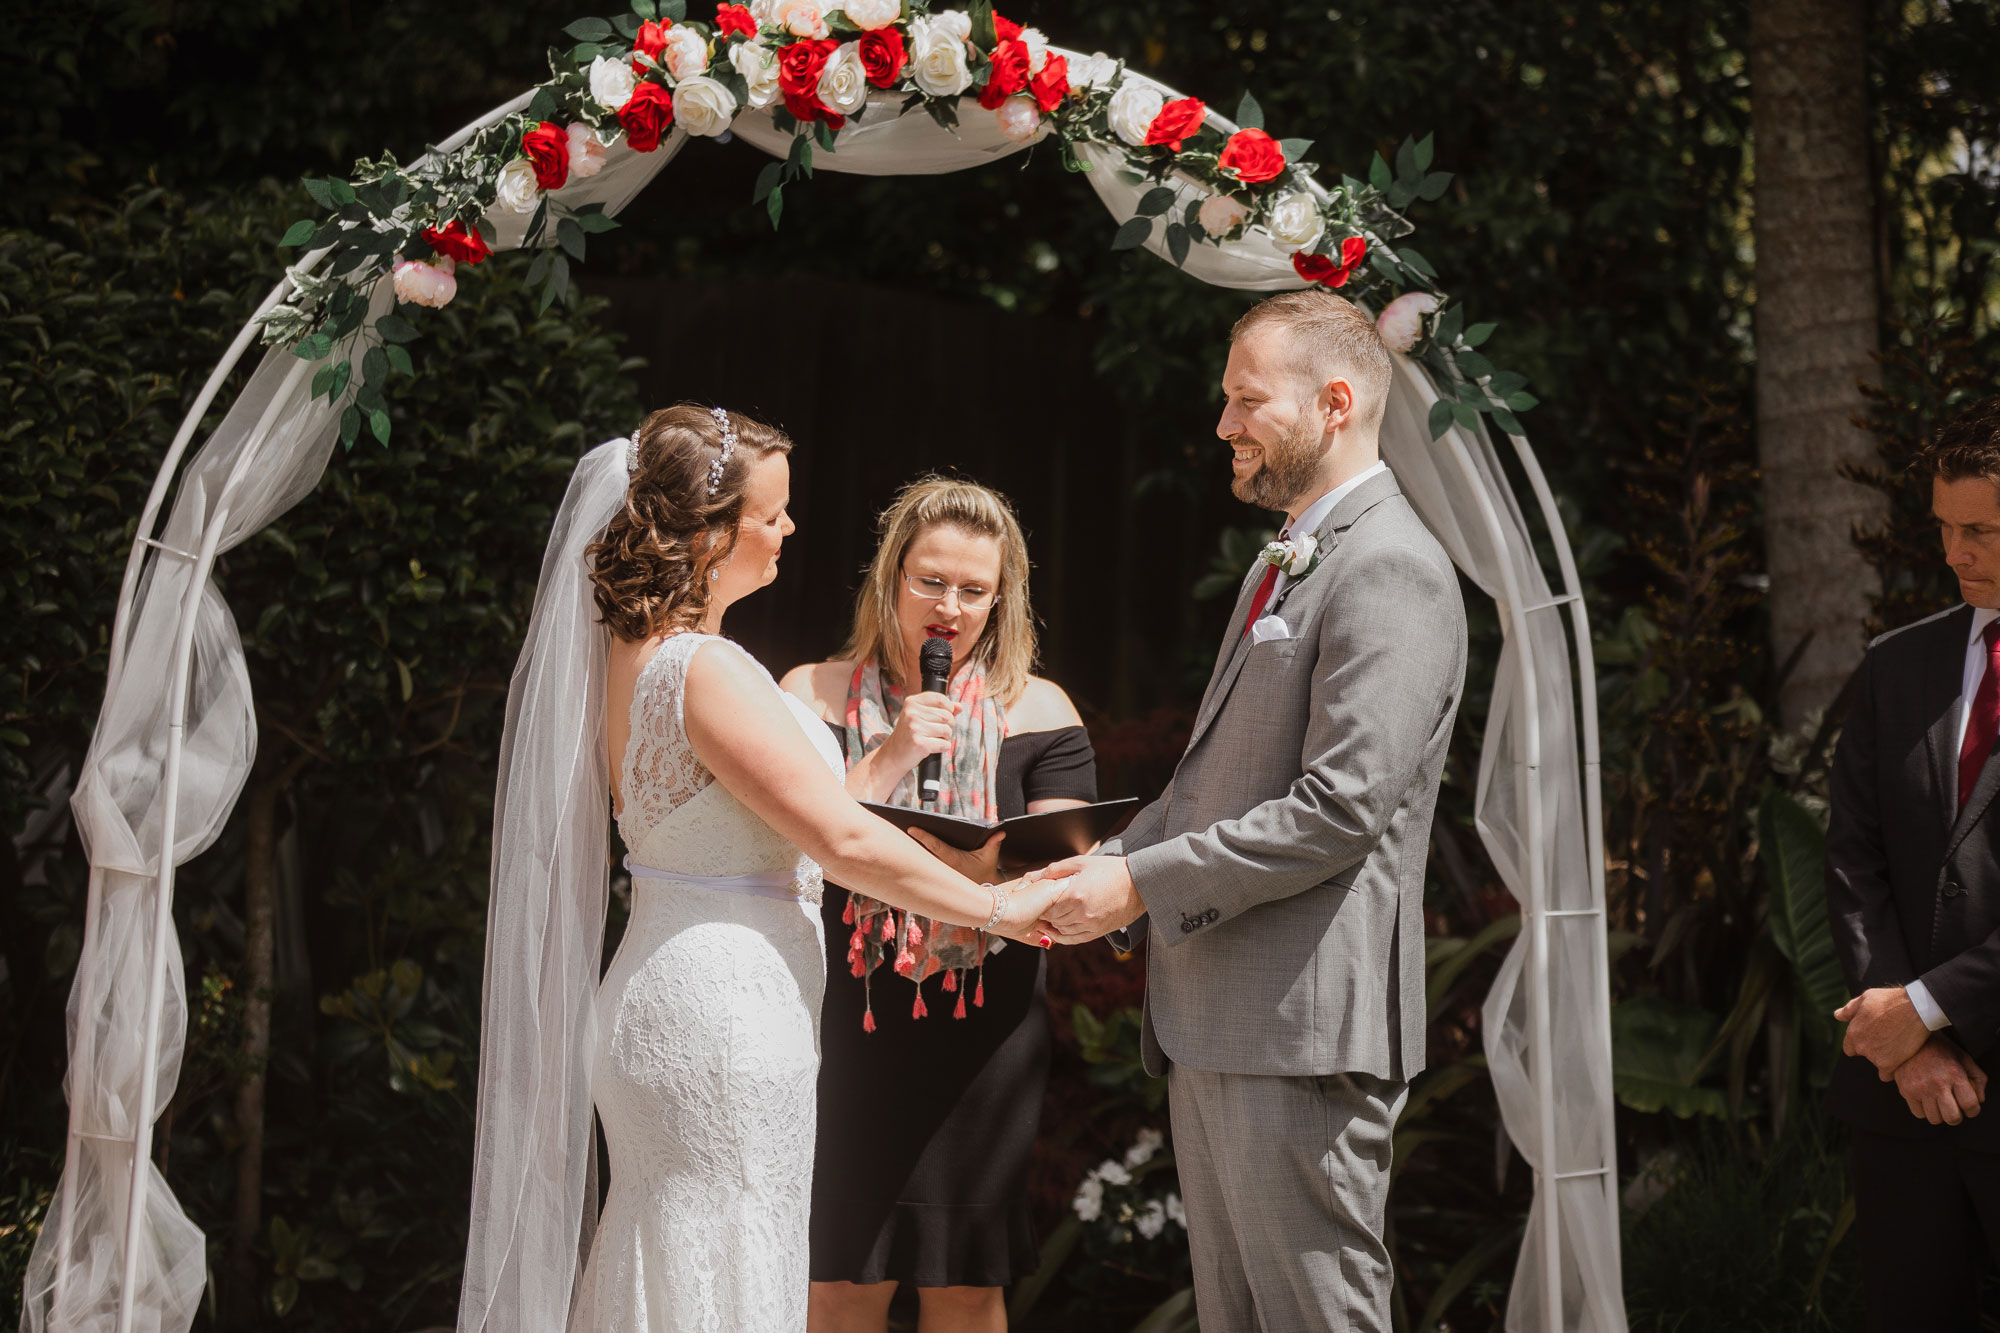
x: 707, y: 1044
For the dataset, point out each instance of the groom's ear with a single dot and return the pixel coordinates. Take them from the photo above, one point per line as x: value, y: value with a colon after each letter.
x: 1335, y: 402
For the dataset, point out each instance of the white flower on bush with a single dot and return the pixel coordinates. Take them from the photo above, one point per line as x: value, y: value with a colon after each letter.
x: 937, y: 56
x: 1295, y: 220
x: 1092, y: 71
x: 868, y: 15
x: 1019, y: 117
x: 1113, y: 1173
x: 1221, y: 214
x: 1151, y: 1220
x: 1133, y: 107
x: 703, y: 106
x: 686, y: 52
x: 1038, y: 49
x: 843, y: 84
x: 758, y: 65
x: 1401, y: 322
x: 586, y: 151
x: 611, y: 82
x: 1089, y: 1201
x: 801, y: 18
x: 1144, y: 1146
x: 1176, y: 1210
x: 429, y: 283
x: 518, y: 192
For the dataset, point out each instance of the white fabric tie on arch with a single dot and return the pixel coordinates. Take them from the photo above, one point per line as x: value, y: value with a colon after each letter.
x: 176, y: 738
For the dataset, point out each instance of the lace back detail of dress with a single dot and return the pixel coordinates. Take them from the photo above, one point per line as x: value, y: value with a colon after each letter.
x: 661, y: 772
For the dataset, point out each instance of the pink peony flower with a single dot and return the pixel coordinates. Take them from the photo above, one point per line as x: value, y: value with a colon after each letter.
x: 1019, y: 117
x: 1401, y: 322
x: 1221, y: 214
x: 426, y: 283
x: 586, y: 151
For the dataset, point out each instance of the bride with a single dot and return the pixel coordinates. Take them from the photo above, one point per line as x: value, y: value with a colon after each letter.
x: 700, y: 1047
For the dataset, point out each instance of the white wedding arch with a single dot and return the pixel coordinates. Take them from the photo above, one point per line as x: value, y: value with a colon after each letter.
x: 177, y: 733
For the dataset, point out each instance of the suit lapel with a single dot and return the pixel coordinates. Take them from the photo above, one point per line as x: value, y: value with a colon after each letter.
x: 1236, y: 649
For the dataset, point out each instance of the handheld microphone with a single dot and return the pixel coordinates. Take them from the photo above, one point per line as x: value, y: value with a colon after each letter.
x: 934, y: 660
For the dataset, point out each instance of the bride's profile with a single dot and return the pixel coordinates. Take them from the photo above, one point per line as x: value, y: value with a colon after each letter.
x: 700, y: 1047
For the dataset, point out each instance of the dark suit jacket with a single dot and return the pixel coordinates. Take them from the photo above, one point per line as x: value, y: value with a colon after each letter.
x: 1912, y: 883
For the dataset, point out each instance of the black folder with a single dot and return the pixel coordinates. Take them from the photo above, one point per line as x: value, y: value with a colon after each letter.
x: 1049, y: 836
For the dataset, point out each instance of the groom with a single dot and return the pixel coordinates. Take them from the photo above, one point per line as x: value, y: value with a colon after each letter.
x: 1282, y: 870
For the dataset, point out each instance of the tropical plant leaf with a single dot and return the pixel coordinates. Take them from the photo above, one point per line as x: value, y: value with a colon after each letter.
x: 1055, y: 1252
x: 1482, y: 1256
x: 1175, y: 1314
x: 1446, y: 973
x: 1656, y: 1051
x: 1792, y: 846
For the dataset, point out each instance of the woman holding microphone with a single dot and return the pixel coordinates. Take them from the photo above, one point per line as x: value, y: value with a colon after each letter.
x: 935, y: 1038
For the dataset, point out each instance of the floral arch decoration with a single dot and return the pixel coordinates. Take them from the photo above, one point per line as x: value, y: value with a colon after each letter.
x: 818, y: 85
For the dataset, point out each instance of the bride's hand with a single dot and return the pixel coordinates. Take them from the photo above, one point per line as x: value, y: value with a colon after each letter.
x: 1027, y: 905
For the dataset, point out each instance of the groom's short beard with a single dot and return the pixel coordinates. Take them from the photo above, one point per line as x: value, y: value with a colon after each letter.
x: 1289, y: 467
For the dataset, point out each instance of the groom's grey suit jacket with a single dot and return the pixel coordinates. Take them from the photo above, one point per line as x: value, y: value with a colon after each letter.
x: 1283, y: 867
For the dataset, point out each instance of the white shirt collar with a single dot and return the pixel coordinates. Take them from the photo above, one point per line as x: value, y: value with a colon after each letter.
x: 1982, y: 616
x: 1315, y: 513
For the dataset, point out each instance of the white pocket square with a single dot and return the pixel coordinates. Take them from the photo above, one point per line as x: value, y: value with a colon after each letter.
x: 1269, y: 628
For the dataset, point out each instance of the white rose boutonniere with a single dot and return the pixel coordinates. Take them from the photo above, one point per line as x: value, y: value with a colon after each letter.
x: 758, y: 65
x: 518, y: 192
x: 611, y: 82
x: 703, y: 106
x: 1294, y: 558
x: 1133, y: 107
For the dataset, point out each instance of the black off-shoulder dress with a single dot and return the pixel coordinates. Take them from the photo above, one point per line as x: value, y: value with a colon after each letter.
x: 926, y: 1124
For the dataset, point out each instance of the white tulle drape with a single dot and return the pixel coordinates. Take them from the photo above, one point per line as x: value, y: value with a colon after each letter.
x: 1546, y: 1020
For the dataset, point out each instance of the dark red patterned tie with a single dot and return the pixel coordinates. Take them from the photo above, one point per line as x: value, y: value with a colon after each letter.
x: 1271, y: 581
x: 1982, y: 723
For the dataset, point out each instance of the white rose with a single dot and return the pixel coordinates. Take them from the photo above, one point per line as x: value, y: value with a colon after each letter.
x: 1089, y: 1201
x: 801, y: 18
x: 868, y: 15
x: 1092, y: 71
x: 764, y: 11
x: 518, y: 192
x: 1019, y: 117
x: 758, y: 65
x: 1221, y: 214
x: 1295, y: 220
x: 1401, y: 322
x: 1152, y: 1220
x: 1038, y: 49
x: 586, y: 151
x: 843, y: 84
x: 685, y: 54
x: 937, y: 57
x: 1133, y: 108
x: 703, y: 106
x: 954, y: 21
x: 429, y: 284
x: 1144, y: 1145
x: 612, y: 82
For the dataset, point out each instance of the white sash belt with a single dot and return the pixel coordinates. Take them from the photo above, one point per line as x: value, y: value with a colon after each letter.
x: 762, y: 884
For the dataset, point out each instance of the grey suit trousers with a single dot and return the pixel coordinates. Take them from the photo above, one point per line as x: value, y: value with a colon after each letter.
x: 1286, y: 1182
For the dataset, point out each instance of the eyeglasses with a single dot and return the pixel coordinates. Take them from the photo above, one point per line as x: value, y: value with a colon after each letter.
x: 971, y: 596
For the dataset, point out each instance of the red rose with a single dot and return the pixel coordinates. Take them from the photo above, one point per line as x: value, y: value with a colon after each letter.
x: 734, y: 18
x: 1322, y: 270
x: 882, y: 56
x: 799, y: 68
x: 1052, y: 84
x: 646, y: 115
x: 1004, y: 28
x: 455, y: 242
x: 547, y: 149
x: 1008, y: 74
x: 1176, y: 121
x: 1254, y: 156
x: 652, y: 40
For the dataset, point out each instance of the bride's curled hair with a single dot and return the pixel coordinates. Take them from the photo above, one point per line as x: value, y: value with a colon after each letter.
x: 651, y: 565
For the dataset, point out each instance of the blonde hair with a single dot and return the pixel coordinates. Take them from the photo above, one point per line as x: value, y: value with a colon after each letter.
x: 650, y: 567
x: 1006, y: 647
x: 1326, y: 338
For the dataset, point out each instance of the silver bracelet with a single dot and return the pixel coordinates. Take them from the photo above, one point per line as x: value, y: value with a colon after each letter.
x: 1000, y: 900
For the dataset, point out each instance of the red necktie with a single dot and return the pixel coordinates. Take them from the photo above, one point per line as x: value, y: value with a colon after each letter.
x: 1271, y: 581
x: 1982, y: 722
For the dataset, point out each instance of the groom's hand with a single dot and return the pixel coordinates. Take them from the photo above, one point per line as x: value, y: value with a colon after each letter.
x: 1097, y: 898
x: 1882, y: 1027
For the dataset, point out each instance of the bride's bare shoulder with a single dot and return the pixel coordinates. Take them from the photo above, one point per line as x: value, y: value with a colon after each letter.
x: 821, y: 686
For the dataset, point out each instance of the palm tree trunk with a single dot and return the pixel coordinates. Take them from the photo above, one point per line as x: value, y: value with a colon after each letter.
x: 1816, y: 331
x: 259, y: 873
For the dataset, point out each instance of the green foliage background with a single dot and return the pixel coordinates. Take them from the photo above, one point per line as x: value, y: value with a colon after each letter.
x: 1599, y: 211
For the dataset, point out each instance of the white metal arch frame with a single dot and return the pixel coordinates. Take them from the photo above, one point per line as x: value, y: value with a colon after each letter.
x: 115, y: 1252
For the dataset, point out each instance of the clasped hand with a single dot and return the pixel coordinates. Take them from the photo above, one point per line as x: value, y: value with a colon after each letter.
x: 1095, y: 897
x: 1939, y: 1081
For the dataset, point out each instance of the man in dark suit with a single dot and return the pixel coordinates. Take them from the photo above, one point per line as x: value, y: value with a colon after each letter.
x: 1913, y: 892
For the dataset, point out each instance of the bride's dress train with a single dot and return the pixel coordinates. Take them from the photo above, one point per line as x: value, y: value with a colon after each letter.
x: 707, y: 1046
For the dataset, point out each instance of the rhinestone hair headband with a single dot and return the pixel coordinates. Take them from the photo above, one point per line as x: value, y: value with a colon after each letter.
x: 728, y: 447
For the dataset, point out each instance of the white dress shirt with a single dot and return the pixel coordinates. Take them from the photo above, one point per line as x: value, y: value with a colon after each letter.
x: 1315, y: 514
x: 1968, y: 689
